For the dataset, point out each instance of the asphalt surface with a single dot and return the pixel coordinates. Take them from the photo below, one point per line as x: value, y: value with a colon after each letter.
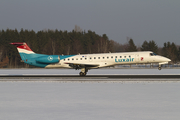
x: 89, y: 77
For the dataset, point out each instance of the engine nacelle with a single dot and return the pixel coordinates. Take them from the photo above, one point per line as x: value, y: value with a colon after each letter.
x: 48, y: 59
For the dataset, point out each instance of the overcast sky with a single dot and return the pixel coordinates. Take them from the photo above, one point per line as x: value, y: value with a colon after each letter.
x: 141, y: 20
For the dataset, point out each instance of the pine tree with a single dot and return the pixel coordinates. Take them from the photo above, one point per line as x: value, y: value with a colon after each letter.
x: 131, y: 46
x: 149, y: 46
x: 145, y: 46
x: 179, y: 54
x: 170, y: 51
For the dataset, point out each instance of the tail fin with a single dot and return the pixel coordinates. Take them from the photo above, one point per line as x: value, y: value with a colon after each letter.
x: 23, y: 50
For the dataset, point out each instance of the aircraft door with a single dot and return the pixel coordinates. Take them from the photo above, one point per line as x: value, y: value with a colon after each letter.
x: 137, y: 58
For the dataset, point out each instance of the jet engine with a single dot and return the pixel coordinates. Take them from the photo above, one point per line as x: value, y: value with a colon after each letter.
x: 48, y: 59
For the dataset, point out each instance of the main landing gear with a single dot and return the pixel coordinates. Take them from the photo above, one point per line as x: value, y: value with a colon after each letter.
x: 83, y: 72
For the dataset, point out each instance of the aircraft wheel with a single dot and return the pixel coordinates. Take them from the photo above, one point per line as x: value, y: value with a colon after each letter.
x: 82, y: 74
x: 159, y: 68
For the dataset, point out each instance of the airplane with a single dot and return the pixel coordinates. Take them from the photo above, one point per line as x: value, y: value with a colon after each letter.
x: 86, y: 62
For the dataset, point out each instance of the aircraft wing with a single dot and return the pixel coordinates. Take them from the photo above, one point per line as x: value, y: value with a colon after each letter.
x: 82, y: 65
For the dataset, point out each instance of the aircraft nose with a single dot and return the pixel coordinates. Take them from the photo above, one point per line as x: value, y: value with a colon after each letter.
x: 169, y: 60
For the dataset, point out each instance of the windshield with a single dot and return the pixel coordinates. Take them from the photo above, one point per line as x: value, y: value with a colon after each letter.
x: 153, y: 54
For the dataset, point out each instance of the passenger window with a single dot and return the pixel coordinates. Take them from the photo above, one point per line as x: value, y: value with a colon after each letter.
x: 115, y: 56
x: 94, y: 57
x: 68, y: 59
x: 111, y: 56
x: 64, y: 59
x: 124, y: 56
x: 76, y: 58
x: 129, y: 56
x: 72, y: 58
x: 103, y: 57
x: 80, y: 58
x: 120, y: 56
x: 85, y: 58
x: 107, y: 57
x: 98, y: 57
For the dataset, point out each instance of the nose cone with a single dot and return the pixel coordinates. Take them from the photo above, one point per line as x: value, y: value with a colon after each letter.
x: 168, y: 60
x: 163, y: 60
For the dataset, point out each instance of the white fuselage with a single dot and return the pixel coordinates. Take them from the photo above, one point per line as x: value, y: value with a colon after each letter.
x: 111, y: 59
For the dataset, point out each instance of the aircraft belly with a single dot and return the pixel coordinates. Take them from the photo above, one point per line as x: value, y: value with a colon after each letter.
x: 57, y: 66
x: 105, y: 64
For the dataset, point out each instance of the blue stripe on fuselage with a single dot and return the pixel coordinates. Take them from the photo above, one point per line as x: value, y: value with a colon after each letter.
x: 65, y: 56
x: 31, y: 58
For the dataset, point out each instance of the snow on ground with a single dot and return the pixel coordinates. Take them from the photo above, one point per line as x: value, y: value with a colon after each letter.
x: 90, y: 72
x: 89, y: 101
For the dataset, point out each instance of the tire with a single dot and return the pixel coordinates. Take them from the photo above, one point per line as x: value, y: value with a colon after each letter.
x: 159, y: 68
x: 82, y: 74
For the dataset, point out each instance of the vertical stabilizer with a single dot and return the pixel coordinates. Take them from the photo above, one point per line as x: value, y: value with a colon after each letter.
x: 23, y: 50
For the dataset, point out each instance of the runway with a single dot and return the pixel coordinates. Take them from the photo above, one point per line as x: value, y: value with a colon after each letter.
x: 93, y: 75
x: 90, y: 78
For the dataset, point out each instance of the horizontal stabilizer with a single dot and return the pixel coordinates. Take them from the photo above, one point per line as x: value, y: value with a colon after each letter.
x: 22, y: 47
x: 17, y: 43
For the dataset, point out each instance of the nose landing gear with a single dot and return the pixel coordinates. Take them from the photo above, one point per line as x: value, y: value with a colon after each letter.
x: 159, y: 68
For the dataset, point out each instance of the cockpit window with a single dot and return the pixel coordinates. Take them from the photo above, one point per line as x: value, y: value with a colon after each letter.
x: 153, y: 54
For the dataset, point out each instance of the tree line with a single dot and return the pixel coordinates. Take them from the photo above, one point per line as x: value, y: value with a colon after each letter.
x: 52, y: 42
x: 73, y: 42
